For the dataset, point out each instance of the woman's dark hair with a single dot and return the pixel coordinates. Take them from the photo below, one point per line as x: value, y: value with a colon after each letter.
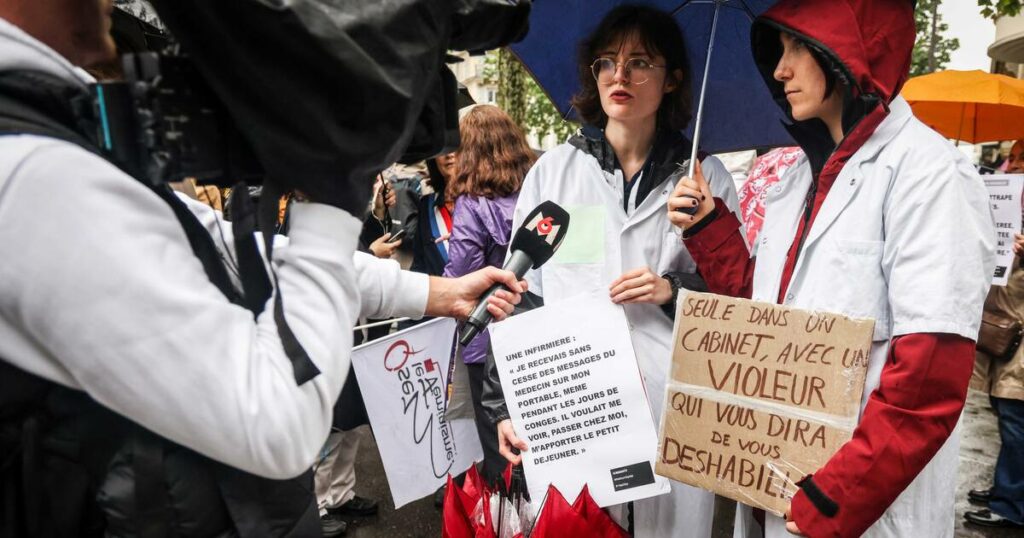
x: 828, y: 66
x: 659, y: 34
x: 493, y: 157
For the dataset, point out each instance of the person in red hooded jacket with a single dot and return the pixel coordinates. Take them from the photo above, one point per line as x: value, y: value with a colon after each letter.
x: 883, y: 218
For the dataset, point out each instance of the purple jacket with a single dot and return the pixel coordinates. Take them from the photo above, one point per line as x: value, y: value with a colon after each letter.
x: 481, y: 231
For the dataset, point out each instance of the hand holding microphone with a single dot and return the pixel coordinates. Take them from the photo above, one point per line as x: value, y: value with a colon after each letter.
x: 459, y: 297
x: 533, y: 244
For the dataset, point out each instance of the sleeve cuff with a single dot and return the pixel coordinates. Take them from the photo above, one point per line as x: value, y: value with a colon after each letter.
x: 411, y: 294
x: 387, y: 291
x: 324, y: 227
x: 808, y: 515
x: 703, y: 223
x: 721, y: 224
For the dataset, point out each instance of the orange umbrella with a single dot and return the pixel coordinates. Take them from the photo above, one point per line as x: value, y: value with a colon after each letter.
x: 972, y: 106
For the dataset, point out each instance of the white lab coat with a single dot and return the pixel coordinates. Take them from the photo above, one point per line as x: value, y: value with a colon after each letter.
x: 602, y: 243
x: 905, y: 236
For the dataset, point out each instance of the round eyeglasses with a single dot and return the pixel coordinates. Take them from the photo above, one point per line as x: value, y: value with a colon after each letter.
x: 637, y: 70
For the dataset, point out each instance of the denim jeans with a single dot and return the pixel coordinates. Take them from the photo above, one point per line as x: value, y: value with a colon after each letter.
x: 1008, y: 483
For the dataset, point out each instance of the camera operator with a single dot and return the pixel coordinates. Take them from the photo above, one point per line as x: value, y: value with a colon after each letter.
x: 104, y: 300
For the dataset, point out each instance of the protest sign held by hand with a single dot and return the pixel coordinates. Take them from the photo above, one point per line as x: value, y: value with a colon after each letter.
x: 576, y: 397
x: 760, y: 396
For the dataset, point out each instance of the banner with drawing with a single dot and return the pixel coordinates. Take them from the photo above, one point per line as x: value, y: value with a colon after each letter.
x: 403, y: 381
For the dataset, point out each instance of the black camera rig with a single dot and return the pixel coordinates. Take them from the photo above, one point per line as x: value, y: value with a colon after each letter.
x: 315, y: 95
x: 162, y: 123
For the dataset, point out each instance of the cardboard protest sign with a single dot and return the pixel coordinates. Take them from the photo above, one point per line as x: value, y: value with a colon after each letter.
x: 403, y: 381
x: 574, y: 393
x: 1004, y: 193
x: 760, y: 396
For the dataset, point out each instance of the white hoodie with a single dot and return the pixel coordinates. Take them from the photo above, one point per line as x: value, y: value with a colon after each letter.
x: 100, y: 291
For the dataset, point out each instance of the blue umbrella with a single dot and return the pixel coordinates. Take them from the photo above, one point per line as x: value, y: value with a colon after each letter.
x: 739, y: 113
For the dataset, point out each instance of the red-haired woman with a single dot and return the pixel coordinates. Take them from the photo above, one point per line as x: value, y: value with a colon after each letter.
x: 491, y: 164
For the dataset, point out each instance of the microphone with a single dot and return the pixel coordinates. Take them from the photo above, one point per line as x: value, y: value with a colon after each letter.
x: 534, y: 243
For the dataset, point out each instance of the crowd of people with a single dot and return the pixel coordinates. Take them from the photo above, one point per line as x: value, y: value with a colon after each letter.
x: 140, y: 396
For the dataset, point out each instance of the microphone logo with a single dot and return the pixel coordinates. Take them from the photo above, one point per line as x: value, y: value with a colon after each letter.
x: 544, y: 227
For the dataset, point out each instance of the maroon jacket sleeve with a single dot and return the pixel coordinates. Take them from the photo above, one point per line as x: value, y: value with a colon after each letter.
x: 721, y: 254
x: 906, y: 421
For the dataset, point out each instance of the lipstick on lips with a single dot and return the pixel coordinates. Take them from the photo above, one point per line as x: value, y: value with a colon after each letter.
x: 620, y: 96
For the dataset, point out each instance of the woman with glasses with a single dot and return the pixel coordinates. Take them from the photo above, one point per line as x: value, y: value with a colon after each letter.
x: 614, y: 177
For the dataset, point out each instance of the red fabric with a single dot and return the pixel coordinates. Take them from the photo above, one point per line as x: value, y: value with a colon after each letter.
x: 557, y: 519
x: 906, y: 421
x: 476, y: 493
x: 873, y: 38
x: 455, y: 521
x: 601, y: 524
x: 507, y: 475
x: 721, y: 255
x: 484, y: 527
x: 473, y: 485
x: 446, y: 215
x: 460, y: 504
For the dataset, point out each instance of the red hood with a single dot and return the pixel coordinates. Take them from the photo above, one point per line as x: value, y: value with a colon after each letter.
x: 869, y: 43
x: 872, y: 39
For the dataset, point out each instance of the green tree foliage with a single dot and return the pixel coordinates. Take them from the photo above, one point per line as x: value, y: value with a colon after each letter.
x: 999, y: 8
x: 520, y: 96
x: 931, y: 50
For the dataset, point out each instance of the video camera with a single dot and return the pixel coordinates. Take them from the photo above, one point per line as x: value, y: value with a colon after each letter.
x: 310, y: 95
x: 162, y: 123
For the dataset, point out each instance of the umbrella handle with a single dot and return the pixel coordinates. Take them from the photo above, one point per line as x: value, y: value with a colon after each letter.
x: 699, y: 120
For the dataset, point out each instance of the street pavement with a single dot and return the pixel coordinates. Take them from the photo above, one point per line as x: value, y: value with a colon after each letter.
x: 978, y: 450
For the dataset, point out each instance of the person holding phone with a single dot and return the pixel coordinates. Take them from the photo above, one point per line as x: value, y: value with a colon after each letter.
x: 376, y: 236
x: 882, y: 218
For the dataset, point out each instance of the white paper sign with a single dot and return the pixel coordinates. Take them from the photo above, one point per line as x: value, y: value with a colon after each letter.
x: 575, y: 395
x: 402, y: 378
x: 1004, y: 194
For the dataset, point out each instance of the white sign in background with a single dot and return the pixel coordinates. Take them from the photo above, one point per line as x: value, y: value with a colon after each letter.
x: 403, y: 381
x: 575, y: 395
x: 1004, y: 194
